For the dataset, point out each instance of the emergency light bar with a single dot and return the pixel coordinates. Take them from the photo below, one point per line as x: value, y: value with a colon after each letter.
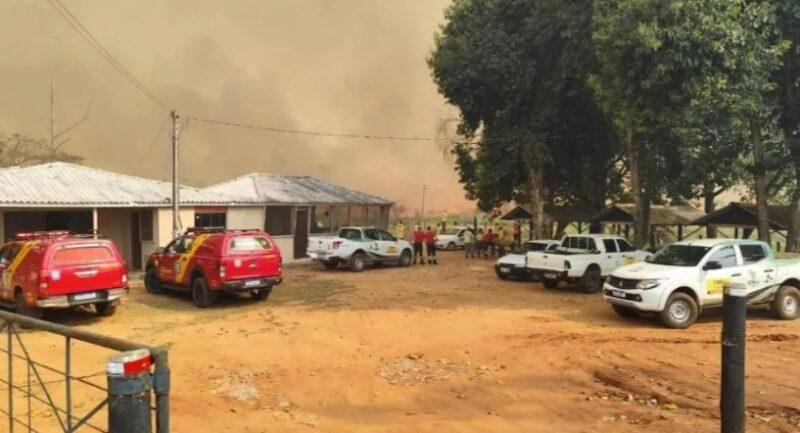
x: 43, y: 234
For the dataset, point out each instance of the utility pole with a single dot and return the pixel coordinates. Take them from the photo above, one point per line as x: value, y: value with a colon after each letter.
x: 176, y: 221
x: 52, y: 108
x: 422, y: 207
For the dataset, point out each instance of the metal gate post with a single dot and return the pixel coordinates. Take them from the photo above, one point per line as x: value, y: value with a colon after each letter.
x: 732, y: 401
x: 129, y: 385
x: 161, y: 384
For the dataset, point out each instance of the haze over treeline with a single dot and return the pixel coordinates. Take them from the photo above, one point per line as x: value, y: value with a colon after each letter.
x: 341, y: 66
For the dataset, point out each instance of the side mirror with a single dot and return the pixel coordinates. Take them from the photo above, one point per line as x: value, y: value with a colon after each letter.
x: 712, y: 265
x: 161, y: 250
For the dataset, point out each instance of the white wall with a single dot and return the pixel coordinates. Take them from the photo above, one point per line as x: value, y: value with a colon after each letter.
x: 286, y: 244
x: 116, y: 224
x: 245, y: 218
x: 163, y: 225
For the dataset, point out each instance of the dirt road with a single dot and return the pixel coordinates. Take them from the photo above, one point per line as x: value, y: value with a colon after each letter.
x: 446, y: 348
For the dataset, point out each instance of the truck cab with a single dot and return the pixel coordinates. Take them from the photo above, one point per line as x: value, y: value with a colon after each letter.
x: 684, y: 278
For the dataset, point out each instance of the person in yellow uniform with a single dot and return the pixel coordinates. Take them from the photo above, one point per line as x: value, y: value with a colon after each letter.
x: 469, y: 244
x: 503, y: 241
x: 400, y: 230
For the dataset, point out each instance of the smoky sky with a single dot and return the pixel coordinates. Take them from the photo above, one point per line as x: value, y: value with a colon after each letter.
x: 350, y: 66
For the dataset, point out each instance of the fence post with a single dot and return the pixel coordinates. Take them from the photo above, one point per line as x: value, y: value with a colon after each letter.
x: 129, y: 385
x: 732, y: 401
x: 161, y: 384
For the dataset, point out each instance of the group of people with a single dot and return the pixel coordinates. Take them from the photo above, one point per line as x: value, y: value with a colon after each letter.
x: 487, y: 243
x: 424, y: 242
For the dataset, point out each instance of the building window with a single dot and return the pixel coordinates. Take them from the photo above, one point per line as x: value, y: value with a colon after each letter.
x: 211, y: 219
x: 279, y: 220
x: 321, y: 219
x: 340, y: 217
x: 146, y: 226
x: 357, y: 215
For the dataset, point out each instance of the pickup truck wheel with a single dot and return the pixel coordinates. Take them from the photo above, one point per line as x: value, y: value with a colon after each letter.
x: 151, y: 283
x: 591, y: 281
x: 260, y: 294
x: 405, y: 259
x: 358, y: 262
x: 625, y: 312
x: 451, y: 246
x: 680, y: 311
x: 786, y: 304
x: 330, y: 265
x: 21, y: 308
x: 549, y: 283
x: 105, y: 309
x: 201, y: 295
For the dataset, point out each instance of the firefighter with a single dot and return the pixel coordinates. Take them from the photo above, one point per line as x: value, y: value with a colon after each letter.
x: 418, y: 237
x: 517, y: 233
x: 504, y: 240
x: 400, y: 230
x: 488, y: 244
x: 469, y: 244
x: 430, y: 245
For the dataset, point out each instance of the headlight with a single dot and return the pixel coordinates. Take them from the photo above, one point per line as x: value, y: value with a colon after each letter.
x: 648, y: 284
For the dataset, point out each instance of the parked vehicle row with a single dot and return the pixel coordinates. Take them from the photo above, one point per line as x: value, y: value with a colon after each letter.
x: 677, y: 283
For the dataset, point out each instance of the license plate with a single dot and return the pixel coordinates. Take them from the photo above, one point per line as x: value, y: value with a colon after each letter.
x: 618, y: 294
x: 505, y: 270
x: 551, y: 276
x: 252, y: 283
x: 84, y: 296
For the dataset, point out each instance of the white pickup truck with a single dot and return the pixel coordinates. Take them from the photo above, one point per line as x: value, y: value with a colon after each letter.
x: 585, y: 259
x: 451, y: 239
x: 358, y: 247
x: 684, y: 278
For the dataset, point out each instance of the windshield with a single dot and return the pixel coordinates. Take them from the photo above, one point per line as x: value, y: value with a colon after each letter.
x: 535, y: 246
x: 680, y: 255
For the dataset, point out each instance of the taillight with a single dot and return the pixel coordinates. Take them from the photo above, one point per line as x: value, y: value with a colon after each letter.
x: 44, y: 279
x: 221, y: 271
x: 336, y: 244
x: 124, y: 278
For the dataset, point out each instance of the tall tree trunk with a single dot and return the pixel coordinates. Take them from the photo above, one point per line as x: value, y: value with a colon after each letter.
x: 760, y: 176
x: 709, y: 206
x: 535, y: 167
x: 641, y: 215
x: 794, y: 211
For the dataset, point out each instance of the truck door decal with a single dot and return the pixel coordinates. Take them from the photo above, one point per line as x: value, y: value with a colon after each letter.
x: 8, y: 275
x: 715, y: 286
x: 182, y: 264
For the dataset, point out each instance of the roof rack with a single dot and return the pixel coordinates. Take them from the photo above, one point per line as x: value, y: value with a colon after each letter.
x: 217, y: 230
x: 55, y: 234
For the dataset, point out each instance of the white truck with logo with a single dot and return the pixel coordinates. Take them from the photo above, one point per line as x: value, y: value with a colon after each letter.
x: 451, y: 239
x: 358, y: 247
x: 583, y: 259
x: 684, y: 278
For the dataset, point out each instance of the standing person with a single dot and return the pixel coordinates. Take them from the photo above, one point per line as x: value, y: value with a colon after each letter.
x: 488, y: 244
x: 469, y: 244
x: 400, y: 230
x: 430, y: 244
x: 504, y: 240
x: 479, y: 244
x: 517, y: 234
x: 418, y: 236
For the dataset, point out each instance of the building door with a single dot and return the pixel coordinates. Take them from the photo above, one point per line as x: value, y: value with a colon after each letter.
x: 301, y: 233
x: 136, y: 242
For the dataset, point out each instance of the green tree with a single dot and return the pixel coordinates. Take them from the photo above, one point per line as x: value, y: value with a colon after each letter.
x: 516, y: 69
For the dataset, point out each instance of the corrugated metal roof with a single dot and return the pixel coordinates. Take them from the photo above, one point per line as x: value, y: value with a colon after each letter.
x: 282, y: 189
x: 72, y: 185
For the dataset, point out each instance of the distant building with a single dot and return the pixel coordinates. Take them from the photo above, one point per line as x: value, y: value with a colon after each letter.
x: 137, y: 213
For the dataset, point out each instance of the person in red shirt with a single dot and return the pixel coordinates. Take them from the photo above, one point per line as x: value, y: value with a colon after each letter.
x: 488, y: 241
x: 430, y: 244
x: 418, y: 237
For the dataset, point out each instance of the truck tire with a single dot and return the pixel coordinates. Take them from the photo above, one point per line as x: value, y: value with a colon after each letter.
x: 625, y: 312
x: 21, y: 308
x: 786, y: 303
x: 151, y: 283
x: 680, y: 311
x: 405, y: 259
x: 330, y: 265
x: 591, y: 281
x: 451, y: 246
x: 260, y: 294
x: 358, y: 262
x: 549, y: 283
x: 202, y: 296
x: 105, y: 309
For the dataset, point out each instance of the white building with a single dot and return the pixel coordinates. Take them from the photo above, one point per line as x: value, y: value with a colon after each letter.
x: 136, y: 213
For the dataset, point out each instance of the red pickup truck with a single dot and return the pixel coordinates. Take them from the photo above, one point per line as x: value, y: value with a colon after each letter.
x: 209, y: 261
x: 58, y: 269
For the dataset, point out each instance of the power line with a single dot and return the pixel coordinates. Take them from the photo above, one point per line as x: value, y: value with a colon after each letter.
x: 242, y: 125
x: 304, y: 132
x: 76, y: 25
